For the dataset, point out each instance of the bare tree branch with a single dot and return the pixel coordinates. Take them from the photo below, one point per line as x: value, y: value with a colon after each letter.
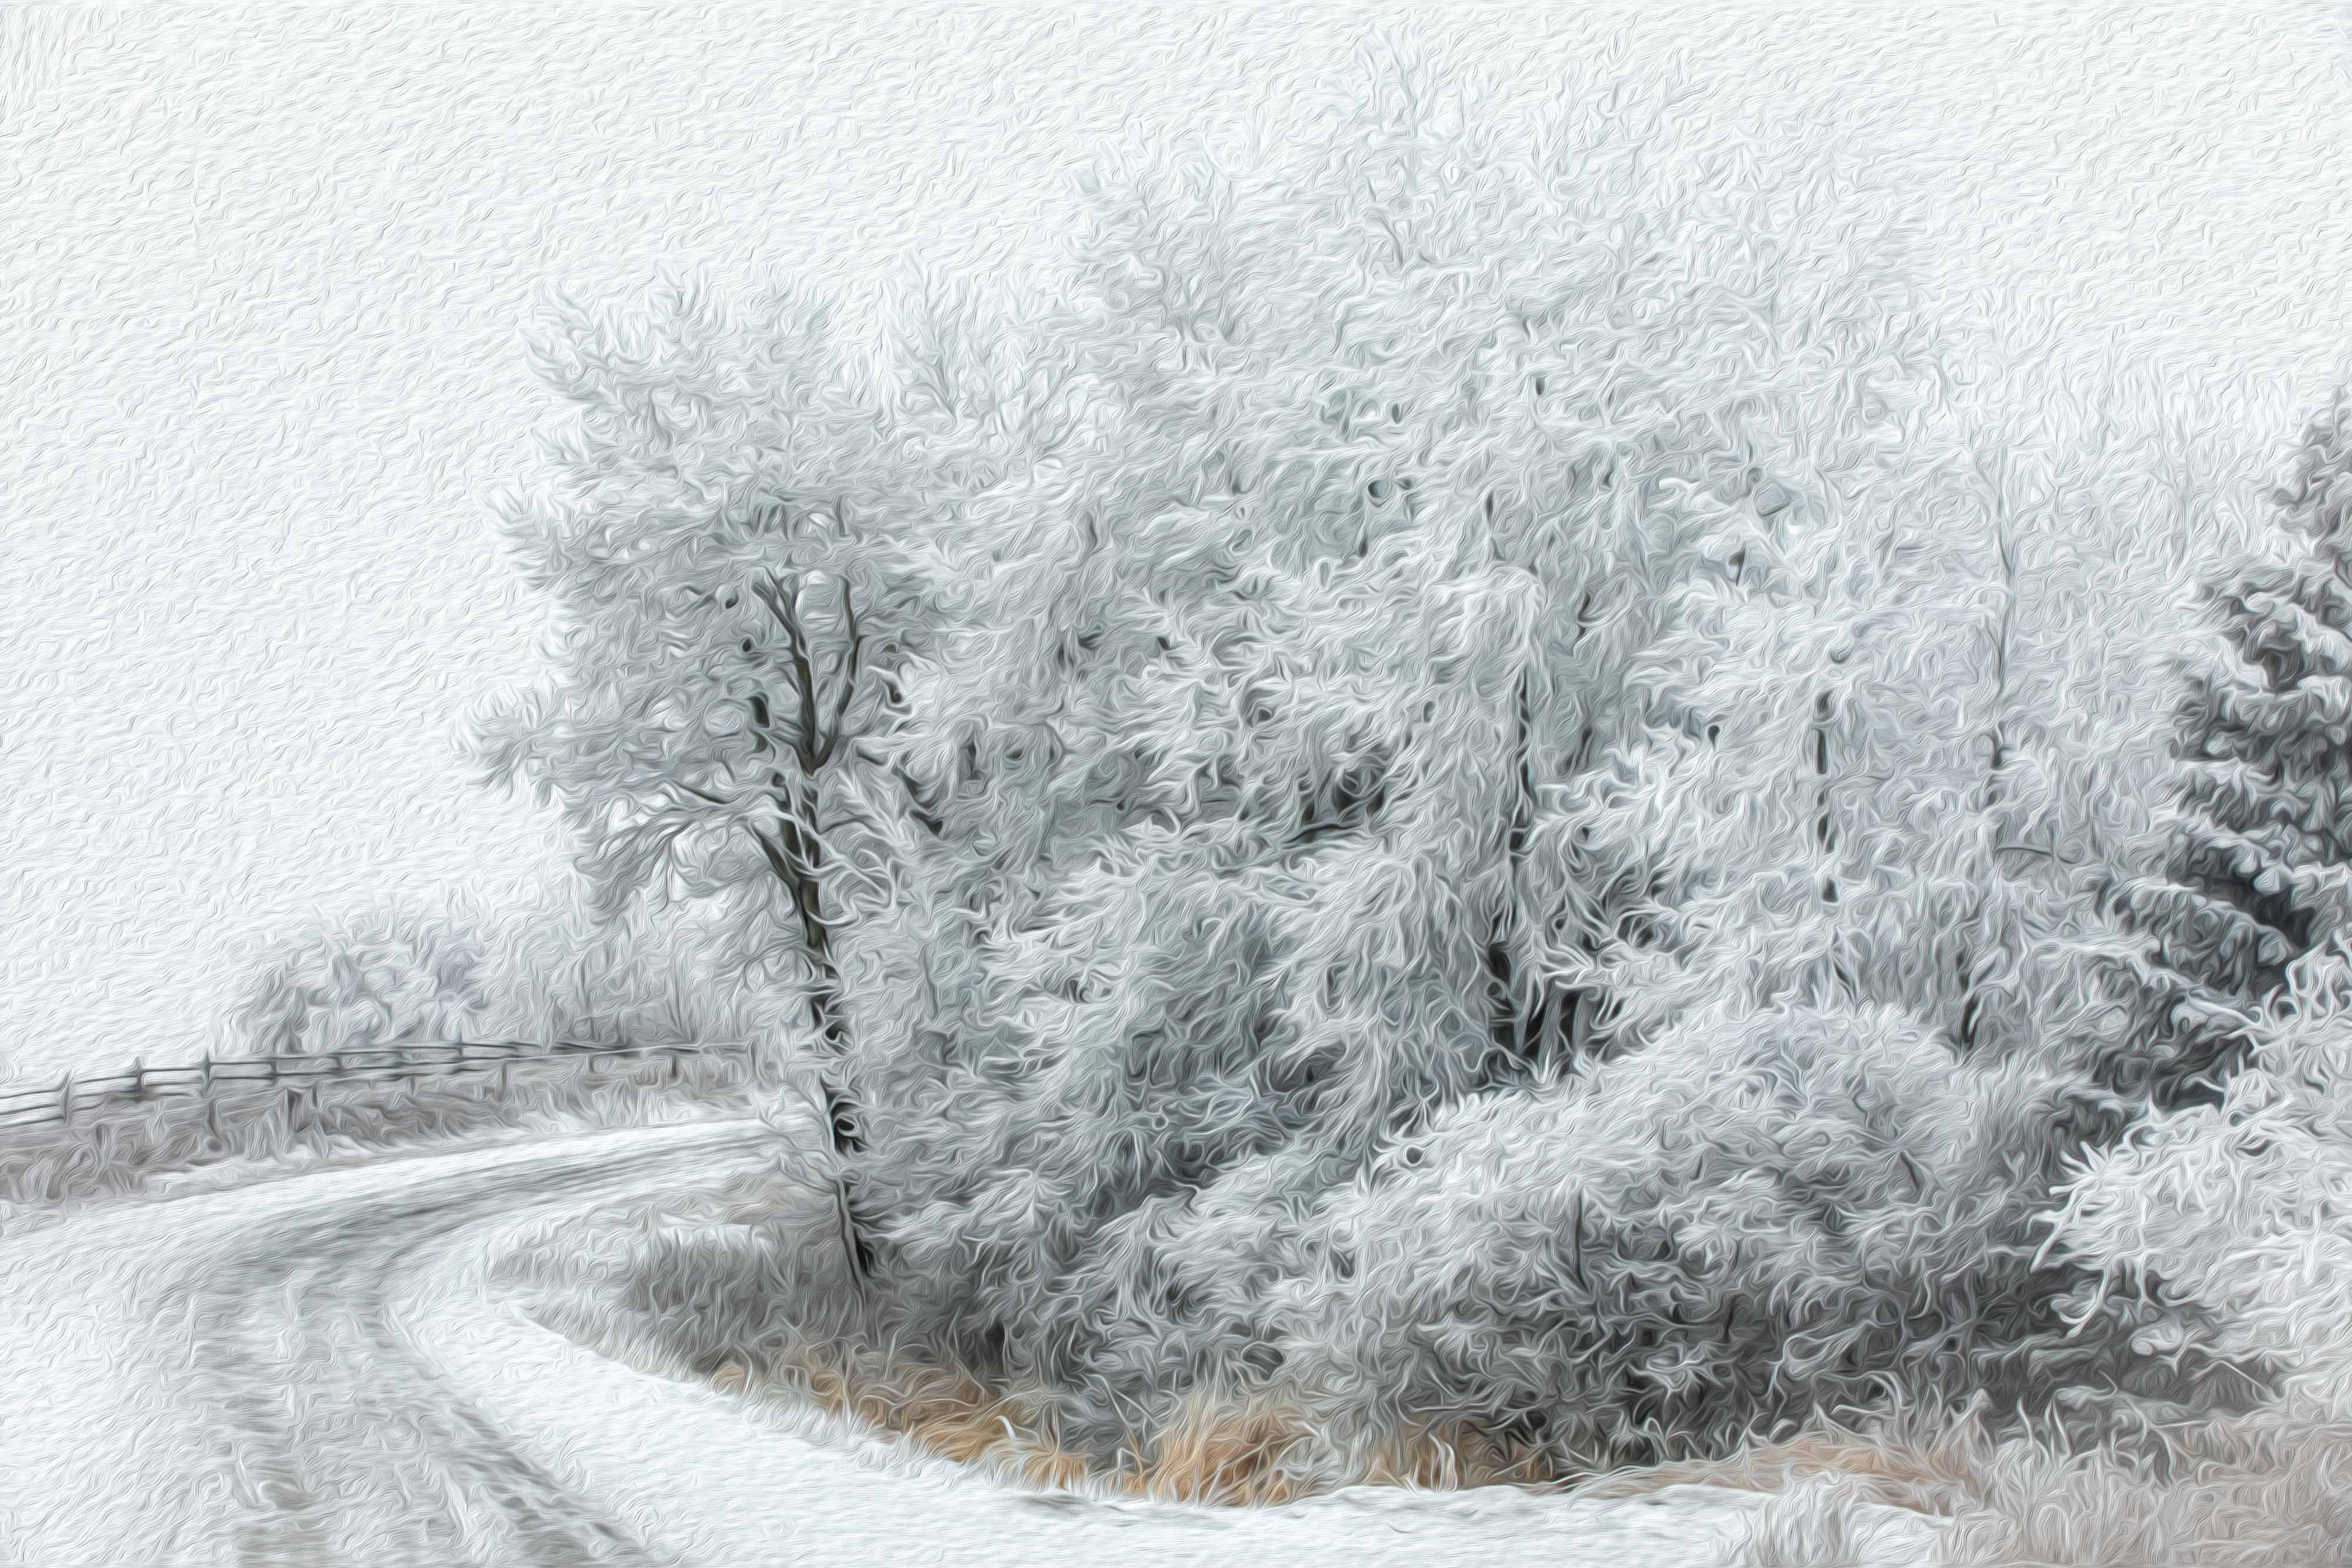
x: 783, y: 604
x: 849, y: 676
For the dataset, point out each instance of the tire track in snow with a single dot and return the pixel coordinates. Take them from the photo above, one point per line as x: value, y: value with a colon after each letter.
x: 235, y: 1362
x: 314, y: 1371
x: 350, y: 1448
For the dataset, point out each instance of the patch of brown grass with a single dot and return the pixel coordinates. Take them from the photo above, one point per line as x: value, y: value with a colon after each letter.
x: 941, y: 1410
x: 1217, y: 1452
x: 1925, y: 1479
x: 1234, y: 1454
x: 1457, y: 1456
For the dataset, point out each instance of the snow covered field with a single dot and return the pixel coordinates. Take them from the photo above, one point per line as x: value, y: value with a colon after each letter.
x: 314, y: 1371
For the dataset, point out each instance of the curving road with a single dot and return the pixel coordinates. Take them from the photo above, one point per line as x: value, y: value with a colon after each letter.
x: 314, y: 1370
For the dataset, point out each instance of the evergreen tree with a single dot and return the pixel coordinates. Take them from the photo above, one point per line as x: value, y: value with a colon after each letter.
x: 2260, y: 850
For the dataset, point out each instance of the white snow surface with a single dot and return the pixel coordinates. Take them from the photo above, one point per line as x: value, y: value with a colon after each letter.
x: 315, y: 1369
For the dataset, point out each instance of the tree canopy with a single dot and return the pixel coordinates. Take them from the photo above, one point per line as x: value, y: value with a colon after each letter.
x: 1410, y: 642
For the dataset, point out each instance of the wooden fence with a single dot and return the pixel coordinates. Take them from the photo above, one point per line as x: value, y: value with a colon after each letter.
x: 72, y: 1097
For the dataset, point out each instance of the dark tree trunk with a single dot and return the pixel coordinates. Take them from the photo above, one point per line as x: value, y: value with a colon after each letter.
x: 1522, y: 1022
x: 801, y: 862
x: 796, y: 851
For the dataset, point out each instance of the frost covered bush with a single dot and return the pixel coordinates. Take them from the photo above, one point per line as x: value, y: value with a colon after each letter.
x: 2236, y: 1218
x: 1755, y: 1217
x: 2214, y: 1231
x: 545, y: 973
x: 378, y: 978
x: 556, y: 972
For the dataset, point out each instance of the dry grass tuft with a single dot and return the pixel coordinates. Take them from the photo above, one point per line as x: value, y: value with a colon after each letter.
x: 1457, y: 1456
x: 1923, y: 1478
x: 941, y: 1410
x: 1220, y: 1453
x: 1216, y: 1452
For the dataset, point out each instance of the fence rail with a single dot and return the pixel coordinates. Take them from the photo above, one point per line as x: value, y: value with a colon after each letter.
x: 71, y: 1097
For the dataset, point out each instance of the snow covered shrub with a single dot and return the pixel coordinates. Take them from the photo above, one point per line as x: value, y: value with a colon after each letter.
x: 2235, y: 1219
x: 549, y: 973
x: 641, y: 977
x: 2214, y: 1232
x: 375, y: 979
x: 1754, y: 1217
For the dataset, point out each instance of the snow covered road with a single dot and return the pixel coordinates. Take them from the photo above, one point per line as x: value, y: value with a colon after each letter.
x: 314, y: 1370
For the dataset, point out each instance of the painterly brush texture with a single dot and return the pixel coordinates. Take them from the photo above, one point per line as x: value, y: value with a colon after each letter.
x: 1449, y: 797
x: 1477, y: 791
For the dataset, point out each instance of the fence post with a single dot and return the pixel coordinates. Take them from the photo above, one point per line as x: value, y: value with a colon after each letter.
x: 64, y: 1099
x: 212, y: 1106
x: 138, y: 1078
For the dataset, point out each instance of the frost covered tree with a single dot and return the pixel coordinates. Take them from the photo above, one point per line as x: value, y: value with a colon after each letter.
x: 545, y: 973
x: 739, y: 540
x: 2261, y: 850
x: 558, y: 972
x: 1495, y: 612
x: 378, y: 978
x: 1417, y: 651
x: 2229, y: 1215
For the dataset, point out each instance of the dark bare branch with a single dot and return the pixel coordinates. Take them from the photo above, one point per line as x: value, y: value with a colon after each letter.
x: 783, y: 604
x: 777, y: 861
x: 849, y: 668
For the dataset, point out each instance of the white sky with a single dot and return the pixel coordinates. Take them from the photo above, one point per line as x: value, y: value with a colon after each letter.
x: 262, y: 272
